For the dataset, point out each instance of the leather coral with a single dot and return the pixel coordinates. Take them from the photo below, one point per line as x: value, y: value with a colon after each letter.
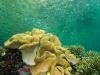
x: 43, y: 51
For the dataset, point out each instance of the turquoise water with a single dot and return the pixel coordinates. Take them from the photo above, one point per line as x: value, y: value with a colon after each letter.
x: 75, y: 22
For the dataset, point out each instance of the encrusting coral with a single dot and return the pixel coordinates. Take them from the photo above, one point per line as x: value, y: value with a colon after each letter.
x: 43, y: 52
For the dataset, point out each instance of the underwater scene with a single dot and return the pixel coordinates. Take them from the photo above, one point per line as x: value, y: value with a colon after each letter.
x: 49, y: 37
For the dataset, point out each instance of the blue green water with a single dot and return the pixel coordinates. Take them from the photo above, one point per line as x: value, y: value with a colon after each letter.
x: 75, y: 22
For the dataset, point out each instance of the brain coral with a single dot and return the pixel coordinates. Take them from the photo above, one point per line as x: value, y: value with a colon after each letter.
x: 43, y: 52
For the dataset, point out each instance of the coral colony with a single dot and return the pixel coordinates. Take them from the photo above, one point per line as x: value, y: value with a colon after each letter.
x: 39, y: 53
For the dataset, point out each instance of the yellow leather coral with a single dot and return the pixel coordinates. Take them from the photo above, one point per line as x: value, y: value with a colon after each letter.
x: 43, y: 52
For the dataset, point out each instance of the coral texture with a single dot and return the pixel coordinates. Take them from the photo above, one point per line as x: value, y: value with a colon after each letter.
x: 89, y: 64
x: 77, y: 50
x: 43, y: 52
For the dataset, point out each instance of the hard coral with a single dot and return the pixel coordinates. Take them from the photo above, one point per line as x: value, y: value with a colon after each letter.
x: 89, y: 64
x: 77, y: 50
x: 43, y: 51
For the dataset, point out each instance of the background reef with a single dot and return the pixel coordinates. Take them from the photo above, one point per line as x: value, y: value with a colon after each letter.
x: 89, y: 62
x: 73, y: 21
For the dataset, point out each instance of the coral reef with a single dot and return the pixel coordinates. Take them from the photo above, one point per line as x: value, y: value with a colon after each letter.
x: 77, y: 50
x: 89, y: 64
x: 38, y: 53
x: 43, y: 52
x: 28, y: 43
